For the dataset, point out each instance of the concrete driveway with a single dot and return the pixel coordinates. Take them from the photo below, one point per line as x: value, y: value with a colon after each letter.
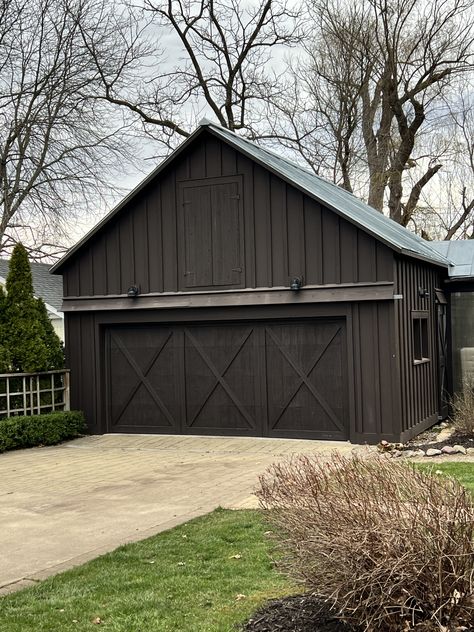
x: 61, y: 506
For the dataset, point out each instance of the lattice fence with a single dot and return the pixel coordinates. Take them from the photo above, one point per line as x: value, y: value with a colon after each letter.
x: 33, y: 393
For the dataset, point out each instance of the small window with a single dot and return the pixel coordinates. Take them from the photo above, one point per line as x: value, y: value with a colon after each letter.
x: 420, y: 336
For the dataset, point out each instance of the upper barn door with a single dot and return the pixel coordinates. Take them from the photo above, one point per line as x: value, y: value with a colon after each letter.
x: 211, y: 234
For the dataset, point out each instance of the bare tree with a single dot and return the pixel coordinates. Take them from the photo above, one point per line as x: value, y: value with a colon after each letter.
x: 58, y: 147
x: 374, y: 76
x: 447, y: 210
x: 222, y: 64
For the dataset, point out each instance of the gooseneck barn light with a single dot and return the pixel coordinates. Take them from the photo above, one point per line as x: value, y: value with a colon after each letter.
x: 296, y: 284
x: 133, y: 291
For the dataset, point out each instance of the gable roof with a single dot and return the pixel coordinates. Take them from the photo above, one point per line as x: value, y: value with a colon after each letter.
x: 45, y: 285
x: 342, y: 202
x: 461, y: 253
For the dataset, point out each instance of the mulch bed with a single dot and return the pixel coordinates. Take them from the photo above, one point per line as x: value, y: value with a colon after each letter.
x: 307, y: 613
x: 424, y: 443
x: 299, y: 613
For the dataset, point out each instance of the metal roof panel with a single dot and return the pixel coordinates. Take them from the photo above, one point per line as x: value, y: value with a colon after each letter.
x: 461, y: 253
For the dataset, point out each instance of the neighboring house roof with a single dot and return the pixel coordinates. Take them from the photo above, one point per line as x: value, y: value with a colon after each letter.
x: 45, y: 285
x: 339, y: 200
x: 461, y: 253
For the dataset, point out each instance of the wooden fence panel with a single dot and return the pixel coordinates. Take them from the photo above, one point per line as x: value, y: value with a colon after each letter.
x: 33, y: 393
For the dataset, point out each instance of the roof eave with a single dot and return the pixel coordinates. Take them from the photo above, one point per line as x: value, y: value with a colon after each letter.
x: 417, y: 255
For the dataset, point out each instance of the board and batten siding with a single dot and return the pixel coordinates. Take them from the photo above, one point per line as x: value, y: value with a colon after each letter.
x: 375, y: 373
x: 418, y: 380
x: 285, y: 234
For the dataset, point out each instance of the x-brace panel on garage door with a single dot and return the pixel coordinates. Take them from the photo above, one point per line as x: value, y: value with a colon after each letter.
x: 304, y: 378
x: 142, y: 377
x: 220, y: 376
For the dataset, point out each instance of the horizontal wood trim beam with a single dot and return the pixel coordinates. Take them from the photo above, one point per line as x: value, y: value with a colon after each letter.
x: 381, y: 291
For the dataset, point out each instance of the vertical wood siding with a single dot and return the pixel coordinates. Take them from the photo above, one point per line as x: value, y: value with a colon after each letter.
x: 376, y: 373
x: 418, y: 381
x: 81, y: 357
x: 286, y: 234
x: 372, y: 366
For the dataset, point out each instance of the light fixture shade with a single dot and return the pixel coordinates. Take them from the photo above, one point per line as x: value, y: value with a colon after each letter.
x: 133, y: 291
x: 296, y: 284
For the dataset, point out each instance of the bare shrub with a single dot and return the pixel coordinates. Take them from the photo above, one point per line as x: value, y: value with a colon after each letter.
x: 463, y: 409
x: 388, y: 545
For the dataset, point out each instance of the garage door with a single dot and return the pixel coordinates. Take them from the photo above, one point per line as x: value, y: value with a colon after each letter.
x: 277, y: 379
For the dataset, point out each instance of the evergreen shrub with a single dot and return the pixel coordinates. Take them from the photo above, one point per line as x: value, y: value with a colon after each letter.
x: 35, y: 430
x: 28, y: 342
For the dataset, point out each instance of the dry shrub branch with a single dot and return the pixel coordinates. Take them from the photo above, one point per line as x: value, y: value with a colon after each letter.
x: 388, y: 545
x: 463, y: 408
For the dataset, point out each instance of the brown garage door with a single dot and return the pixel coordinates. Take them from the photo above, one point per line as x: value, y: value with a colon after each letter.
x: 276, y: 378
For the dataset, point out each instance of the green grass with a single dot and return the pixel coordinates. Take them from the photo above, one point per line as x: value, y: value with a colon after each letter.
x: 185, y: 579
x: 464, y: 472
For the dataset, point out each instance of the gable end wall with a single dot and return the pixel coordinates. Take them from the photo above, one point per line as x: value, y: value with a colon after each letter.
x: 286, y: 234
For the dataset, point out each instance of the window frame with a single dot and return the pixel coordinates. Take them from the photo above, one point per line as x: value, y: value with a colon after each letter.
x: 420, y: 331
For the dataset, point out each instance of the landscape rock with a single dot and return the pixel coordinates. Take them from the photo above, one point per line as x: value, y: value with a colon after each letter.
x: 412, y: 454
x: 396, y: 453
x: 449, y: 449
x: 433, y: 452
x: 470, y: 451
x: 460, y: 449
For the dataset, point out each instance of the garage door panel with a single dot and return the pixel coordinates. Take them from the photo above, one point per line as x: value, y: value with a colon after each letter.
x: 220, y: 413
x: 302, y: 413
x: 144, y: 411
x: 285, y: 378
x: 221, y: 379
x: 306, y: 384
x: 144, y: 393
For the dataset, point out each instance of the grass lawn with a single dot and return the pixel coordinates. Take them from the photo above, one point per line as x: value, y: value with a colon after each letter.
x: 464, y: 472
x: 190, y: 578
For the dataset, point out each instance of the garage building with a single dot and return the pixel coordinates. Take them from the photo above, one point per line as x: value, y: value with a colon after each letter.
x: 236, y: 293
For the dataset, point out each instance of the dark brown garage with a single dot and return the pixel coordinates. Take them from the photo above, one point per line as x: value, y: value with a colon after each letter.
x: 235, y: 293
